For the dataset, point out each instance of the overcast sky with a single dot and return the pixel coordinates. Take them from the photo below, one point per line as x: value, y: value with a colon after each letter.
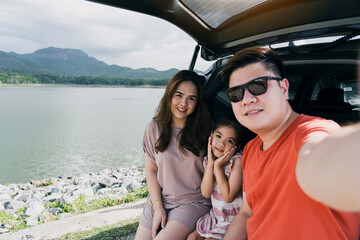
x: 112, y: 35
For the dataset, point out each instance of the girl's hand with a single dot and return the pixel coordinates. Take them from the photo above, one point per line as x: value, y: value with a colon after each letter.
x: 221, y: 161
x: 159, y: 218
x: 210, y: 153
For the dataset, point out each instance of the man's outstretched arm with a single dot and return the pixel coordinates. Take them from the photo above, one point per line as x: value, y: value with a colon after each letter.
x: 328, y: 169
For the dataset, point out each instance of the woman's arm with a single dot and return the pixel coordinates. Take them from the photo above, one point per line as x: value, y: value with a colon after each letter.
x: 155, y: 195
x: 229, y: 188
x: 328, y: 170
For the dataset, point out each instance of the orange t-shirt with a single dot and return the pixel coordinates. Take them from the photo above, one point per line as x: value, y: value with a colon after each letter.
x: 281, y: 210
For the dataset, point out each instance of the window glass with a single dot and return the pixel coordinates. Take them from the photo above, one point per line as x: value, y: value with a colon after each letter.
x: 214, y: 12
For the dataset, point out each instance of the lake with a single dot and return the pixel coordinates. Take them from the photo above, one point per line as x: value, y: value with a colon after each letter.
x: 65, y: 131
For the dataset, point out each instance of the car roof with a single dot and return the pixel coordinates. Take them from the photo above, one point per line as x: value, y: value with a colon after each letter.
x: 222, y: 27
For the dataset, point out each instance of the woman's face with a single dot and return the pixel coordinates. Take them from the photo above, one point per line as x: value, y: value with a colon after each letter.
x: 183, y: 102
x: 223, y: 140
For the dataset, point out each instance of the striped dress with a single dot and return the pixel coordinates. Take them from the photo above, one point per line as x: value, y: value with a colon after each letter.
x: 215, y: 223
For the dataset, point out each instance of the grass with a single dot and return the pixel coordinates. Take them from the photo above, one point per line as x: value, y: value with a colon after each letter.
x: 116, y: 231
x: 83, y: 206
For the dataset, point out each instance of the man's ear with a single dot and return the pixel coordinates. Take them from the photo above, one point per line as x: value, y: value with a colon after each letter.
x: 284, y: 85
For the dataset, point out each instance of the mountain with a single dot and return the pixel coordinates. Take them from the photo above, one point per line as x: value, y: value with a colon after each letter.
x: 73, y: 62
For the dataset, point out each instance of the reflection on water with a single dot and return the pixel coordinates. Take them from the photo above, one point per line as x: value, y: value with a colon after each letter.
x: 63, y: 131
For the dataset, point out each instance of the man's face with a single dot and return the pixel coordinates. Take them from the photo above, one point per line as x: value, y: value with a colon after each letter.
x: 265, y: 112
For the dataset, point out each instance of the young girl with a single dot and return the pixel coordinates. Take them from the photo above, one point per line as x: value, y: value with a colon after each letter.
x: 222, y: 181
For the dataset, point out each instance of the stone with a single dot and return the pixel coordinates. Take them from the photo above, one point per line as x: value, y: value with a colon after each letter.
x: 105, y: 182
x: 23, y: 196
x: 55, y: 190
x: 84, y: 192
x: 31, y: 221
x: 5, y: 197
x: 34, y: 207
x: 96, y: 187
x: 3, y: 230
x: 104, y: 191
x: 64, y: 215
x: 54, y: 198
x: 46, y: 216
x: 15, y: 205
x: 27, y: 237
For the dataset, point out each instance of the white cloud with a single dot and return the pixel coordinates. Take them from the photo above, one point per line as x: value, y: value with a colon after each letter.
x: 109, y: 34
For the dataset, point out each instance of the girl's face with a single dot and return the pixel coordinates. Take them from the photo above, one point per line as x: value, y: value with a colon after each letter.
x: 223, y: 139
x: 183, y: 102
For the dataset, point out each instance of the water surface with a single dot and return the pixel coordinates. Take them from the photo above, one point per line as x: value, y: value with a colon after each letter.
x: 64, y: 131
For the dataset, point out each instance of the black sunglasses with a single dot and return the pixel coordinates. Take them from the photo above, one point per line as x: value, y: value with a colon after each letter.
x: 256, y: 87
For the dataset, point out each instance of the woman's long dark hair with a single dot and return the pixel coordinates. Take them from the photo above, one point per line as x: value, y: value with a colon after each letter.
x: 196, y: 131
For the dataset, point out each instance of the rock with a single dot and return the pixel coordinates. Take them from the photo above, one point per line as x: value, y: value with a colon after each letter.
x: 23, y: 196
x: 104, y: 191
x: 34, y: 207
x: 105, y: 182
x: 120, y: 191
x: 96, y: 187
x: 84, y: 192
x: 117, y: 175
x: 3, y: 230
x: 47, y: 215
x: 31, y: 221
x: 15, y: 205
x: 64, y: 215
x: 108, y: 183
x: 5, y: 197
x: 69, y: 199
x: 10, y: 224
x: 27, y: 237
x: 55, y: 190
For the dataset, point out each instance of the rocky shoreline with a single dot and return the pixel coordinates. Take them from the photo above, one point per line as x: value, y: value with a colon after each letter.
x: 34, y: 202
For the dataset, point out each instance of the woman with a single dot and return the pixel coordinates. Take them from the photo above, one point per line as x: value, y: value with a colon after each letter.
x: 174, y: 143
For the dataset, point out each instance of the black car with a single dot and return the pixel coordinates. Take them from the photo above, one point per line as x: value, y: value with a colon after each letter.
x: 318, y: 41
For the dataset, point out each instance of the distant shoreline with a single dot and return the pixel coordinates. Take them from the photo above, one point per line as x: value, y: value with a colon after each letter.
x: 77, y: 85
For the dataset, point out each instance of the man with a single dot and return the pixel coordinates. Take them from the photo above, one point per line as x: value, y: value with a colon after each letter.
x: 274, y: 205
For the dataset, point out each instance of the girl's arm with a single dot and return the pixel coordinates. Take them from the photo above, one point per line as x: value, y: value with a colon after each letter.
x: 155, y: 195
x: 207, y: 183
x: 229, y: 188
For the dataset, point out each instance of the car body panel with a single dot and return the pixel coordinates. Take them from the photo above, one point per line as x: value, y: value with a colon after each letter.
x: 269, y: 22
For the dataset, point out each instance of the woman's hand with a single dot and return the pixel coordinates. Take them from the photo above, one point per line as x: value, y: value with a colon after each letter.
x: 159, y: 218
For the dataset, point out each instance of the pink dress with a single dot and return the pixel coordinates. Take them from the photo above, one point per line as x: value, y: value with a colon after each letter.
x: 215, y: 223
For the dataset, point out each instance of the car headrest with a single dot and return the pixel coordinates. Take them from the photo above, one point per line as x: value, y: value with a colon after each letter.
x: 331, y: 95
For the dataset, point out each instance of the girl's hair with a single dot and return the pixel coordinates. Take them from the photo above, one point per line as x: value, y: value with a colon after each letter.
x: 224, y: 122
x: 195, y: 133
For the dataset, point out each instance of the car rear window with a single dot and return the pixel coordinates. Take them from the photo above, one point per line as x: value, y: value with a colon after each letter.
x: 214, y: 13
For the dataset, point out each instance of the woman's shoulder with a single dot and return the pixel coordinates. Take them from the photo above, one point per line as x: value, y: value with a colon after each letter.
x: 152, y: 129
x: 152, y: 125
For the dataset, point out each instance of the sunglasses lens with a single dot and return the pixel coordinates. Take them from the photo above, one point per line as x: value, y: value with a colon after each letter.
x: 236, y: 94
x: 257, y: 87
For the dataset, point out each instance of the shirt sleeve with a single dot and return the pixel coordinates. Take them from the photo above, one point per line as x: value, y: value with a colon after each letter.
x: 149, y: 141
x: 313, y: 129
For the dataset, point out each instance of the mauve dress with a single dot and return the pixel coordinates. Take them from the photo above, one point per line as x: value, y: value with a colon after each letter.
x: 179, y: 176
